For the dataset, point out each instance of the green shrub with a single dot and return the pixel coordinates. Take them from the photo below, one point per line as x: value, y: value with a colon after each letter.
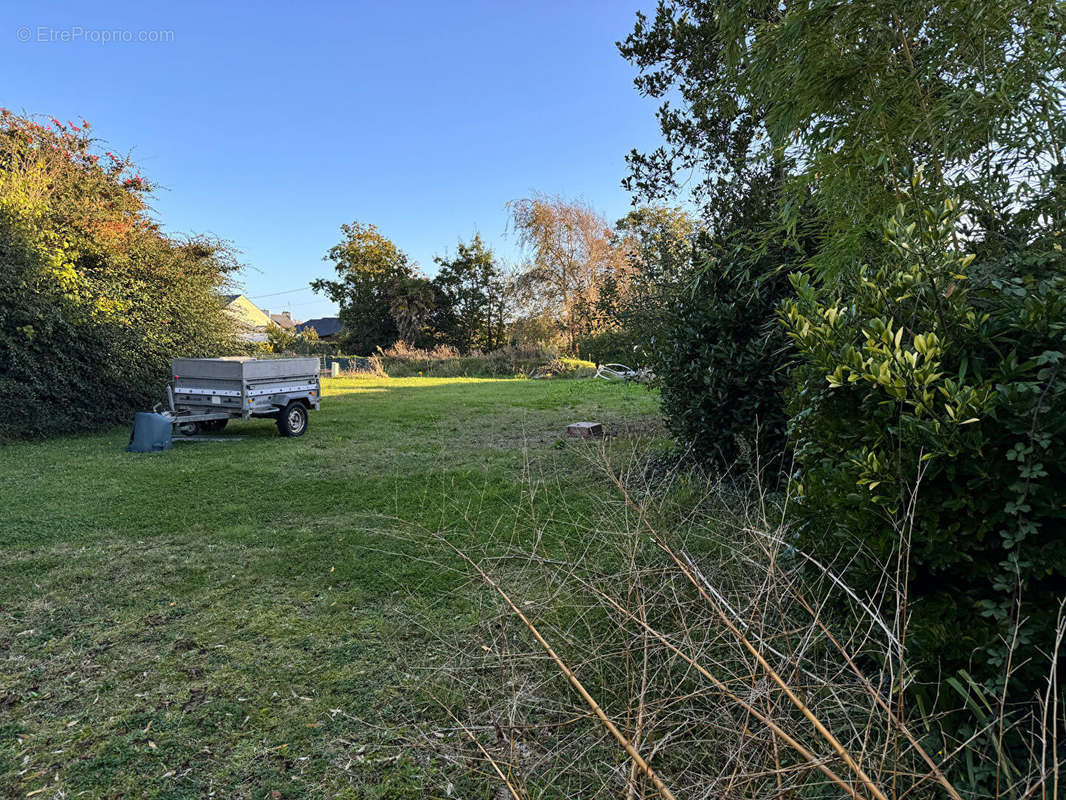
x: 624, y: 346
x: 931, y: 406
x: 720, y: 358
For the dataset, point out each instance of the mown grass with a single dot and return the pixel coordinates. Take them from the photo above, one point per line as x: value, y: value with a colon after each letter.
x: 240, y: 619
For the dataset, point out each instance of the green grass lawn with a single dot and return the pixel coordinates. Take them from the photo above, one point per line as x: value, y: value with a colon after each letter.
x: 241, y: 619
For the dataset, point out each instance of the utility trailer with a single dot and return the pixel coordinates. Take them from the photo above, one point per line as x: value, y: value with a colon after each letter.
x: 209, y: 392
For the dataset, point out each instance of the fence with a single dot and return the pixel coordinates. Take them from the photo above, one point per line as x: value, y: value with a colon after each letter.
x: 332, y: 365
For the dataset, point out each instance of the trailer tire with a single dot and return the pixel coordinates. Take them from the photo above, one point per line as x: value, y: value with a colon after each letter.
x: 292, y: 420
x: 189, y: 428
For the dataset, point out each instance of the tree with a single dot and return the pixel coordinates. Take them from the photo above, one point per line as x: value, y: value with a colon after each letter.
x: 572, y: 251
x: 471, y: 299
x: 845, y: 104
x: 621, y: 317
x: 410, y: 304
x: 371, y: 270
x: 658, y: 242
x: 657, y: 245
x: 713, y: 130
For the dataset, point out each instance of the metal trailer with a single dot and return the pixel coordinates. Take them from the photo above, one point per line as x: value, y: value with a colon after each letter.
x: 208, y: 392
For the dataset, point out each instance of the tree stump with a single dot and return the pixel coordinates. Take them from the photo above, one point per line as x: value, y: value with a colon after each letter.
x: 585, y: 430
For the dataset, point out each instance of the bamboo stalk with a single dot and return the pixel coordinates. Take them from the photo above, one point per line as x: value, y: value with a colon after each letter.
x: 935, y: 770
x: 619, y: 737
x: 824, y: 732
x: 515, y: 793
x: 776, y: 729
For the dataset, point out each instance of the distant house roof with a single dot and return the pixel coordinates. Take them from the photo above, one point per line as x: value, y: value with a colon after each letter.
x: 323, y: 326
x: 248, y: 316
x: 284, y: 320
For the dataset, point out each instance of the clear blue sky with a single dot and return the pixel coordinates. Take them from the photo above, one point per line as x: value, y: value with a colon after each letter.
x: 269, y: 125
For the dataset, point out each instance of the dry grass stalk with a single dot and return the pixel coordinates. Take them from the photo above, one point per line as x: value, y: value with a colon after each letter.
x: 865, y: 779
x: 660, y: 787
x: 511, y: 788
x: 734, y: 660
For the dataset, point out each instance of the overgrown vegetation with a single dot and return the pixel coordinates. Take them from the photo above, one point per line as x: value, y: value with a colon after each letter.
x: 948, y: 411
x: 94, y: 298
x: 401, y: 361
x: 696, y: 639
x: 914, y: 169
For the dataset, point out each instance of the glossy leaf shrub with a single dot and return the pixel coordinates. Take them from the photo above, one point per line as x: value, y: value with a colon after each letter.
x: 931, y: 410
x: 721, y: 358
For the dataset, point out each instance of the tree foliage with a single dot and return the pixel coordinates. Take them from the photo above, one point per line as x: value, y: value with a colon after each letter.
x: 371, y: 272
x: 411, y: 301
x: 845, y: 103
x: 713, y: 132
x: 620, y: 317
x: 572, y: 251
x: 472, y: 299
x: 657, y: 241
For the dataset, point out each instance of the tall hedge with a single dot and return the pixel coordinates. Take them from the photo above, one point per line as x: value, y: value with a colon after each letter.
x: 720, y: 360
x: 94, y: 298
x: 720, y: 356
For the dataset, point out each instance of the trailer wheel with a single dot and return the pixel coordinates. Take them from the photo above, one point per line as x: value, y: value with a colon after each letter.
x: 292, y: 420
x: 188, y: 428
x: 215, y: 425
